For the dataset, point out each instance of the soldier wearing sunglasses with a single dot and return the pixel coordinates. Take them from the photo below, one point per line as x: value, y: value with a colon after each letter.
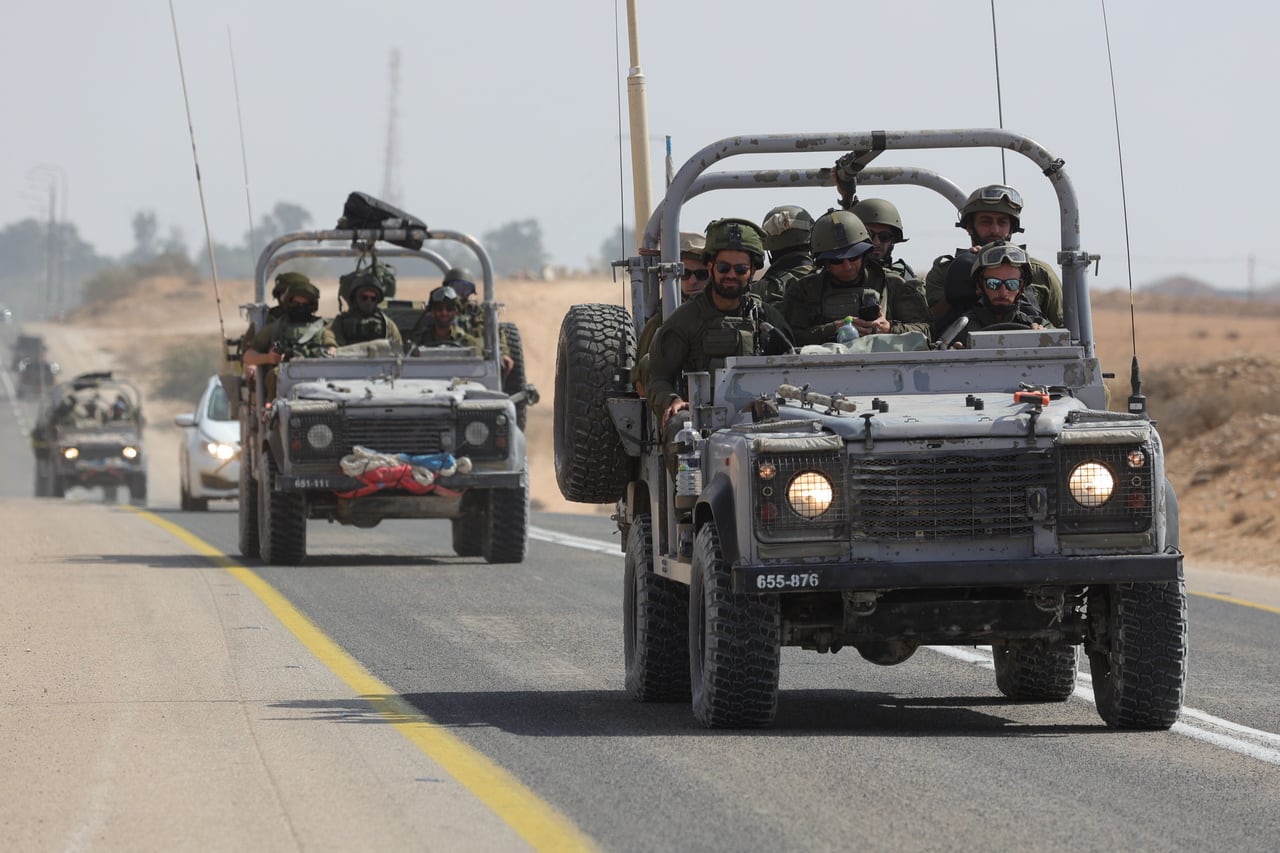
x: 786, y: 237
x: 991, y: 213
x: 692, y: 282
x: 723, y: 320
x: 878, y: 301
x: 363, y: 320
x: 1000, y: 277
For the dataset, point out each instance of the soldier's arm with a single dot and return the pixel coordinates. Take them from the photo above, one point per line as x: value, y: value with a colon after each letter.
x: 909, y: 309
x: 666, y: 361
x: 1050, y: 293
x: 393, y: 335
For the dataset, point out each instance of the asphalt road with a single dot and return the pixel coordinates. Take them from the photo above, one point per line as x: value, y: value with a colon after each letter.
x: 524, y: 664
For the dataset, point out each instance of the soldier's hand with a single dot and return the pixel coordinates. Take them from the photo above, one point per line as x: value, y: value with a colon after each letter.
x: 878, y: 326
x: 677, y: 405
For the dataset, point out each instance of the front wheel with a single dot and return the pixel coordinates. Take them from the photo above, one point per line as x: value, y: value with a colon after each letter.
x: 247, y: 516
x: 506, y: 526
x: 655, y: 620
x: 1034, y: 670
x: 282, y: 520
x: 1138, y: 653
x: 735, y: 643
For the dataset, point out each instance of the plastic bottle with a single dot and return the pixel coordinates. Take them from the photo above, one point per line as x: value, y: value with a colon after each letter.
x: 846, y: 332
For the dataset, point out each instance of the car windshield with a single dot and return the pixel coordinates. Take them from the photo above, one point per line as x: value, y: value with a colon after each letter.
x: 218, y: 409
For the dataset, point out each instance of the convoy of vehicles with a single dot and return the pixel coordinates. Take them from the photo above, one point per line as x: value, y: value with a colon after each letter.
x: 879, y: 500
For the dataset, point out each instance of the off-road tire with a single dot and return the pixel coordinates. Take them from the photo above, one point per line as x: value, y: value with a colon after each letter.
x: 597, y: 347
x: 1035, y: 670
x: 514, y: 382
x: 1139, y: 655
x: 468, y: 528
x: 138, y: 490
x: 735, y: 643
x: 282, y: 521
x: 57, y: 486
x: 506, y: 525
x: 655, y: 620
x: 42, y: 487
x: 247, y: 519
x: 111, y: 494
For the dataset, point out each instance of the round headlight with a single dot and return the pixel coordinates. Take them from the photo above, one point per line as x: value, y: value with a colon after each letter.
x: 71, y: 453
x: 223, y: 452
x: 1091, y: 484
x: 810, y: 494
x: 320, y: 436
x: 476, y: 433
x: 129, y: 453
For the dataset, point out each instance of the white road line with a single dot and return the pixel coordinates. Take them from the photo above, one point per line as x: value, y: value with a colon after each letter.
x: 1084, y: 689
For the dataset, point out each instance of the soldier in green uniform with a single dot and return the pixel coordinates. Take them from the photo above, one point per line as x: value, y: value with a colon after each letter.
x: 879, y: 301
x: 724, y: 320
x: 786, y: 236
x: 364, y: 320
x: 990, y: 214
x: 439, y: 326
x: 1001, y: 274
x: 297, y: 333
x: 692, y: 282
x: 884, y: 226
x: 470, y: 313
x: 283, y: 280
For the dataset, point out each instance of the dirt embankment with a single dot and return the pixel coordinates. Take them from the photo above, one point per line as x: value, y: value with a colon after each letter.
x: 1208, y: 371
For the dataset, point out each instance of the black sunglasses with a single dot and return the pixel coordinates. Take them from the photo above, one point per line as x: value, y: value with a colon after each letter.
x: 740, y: 269
x: 700, y: 275
x: 1010, y: 284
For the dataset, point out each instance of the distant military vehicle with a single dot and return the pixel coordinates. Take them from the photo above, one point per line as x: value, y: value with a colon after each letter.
x: 88, y: 433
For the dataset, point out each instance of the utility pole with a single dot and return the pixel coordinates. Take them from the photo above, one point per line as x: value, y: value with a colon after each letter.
x: 391, y: 165
x: 56, y: 178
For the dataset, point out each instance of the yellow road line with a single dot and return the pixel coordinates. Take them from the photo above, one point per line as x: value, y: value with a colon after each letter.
x: 534, y: 820
x: 1216, y: 597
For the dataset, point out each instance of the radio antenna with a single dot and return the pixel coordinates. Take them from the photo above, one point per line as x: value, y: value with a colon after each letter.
x: 244, y: 160
x: 995, y: 45
x: 204, y: 213
x: 1137, y: 402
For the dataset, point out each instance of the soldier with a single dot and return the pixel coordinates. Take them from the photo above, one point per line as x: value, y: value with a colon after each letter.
x: 692, y: 282
x: 439, y: 324
x: 884, y: 226
x: 283, y: 280
x: 297, y: 332
x: 990, y: 214
x: 1000, y: 277
x: 723, y: 320
x: 786, y: 236
x: 363, y: 320
x: 879, y: 301
x: 470, y: 314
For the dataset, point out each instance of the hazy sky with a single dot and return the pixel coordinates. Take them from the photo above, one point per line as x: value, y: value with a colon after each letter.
x: 509, y: 110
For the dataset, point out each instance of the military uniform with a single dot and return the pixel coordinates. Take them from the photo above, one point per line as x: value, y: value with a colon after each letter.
x: 815, y: 304
x: 303, y: 340
x: 457, y: 336
x: 699, y: 336
x: 1045, y: 288
x: 782, y: 273
x: 983, y: 315
x: 352, y: 327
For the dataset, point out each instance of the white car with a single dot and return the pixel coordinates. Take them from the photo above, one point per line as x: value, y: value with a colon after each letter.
x: 209, y: 456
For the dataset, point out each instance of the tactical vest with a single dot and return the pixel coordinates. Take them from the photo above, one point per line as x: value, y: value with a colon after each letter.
x: 303, y: 339
x: 352, y: 328
x: 838, y: 302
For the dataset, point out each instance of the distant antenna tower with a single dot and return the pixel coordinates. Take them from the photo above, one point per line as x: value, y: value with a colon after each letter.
x: 391, y: 168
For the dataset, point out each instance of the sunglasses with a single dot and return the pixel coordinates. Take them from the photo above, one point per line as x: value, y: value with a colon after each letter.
x: 1010, y: 284
x: 840, y: 262
x: 1002, y: 253
x: 882, y: 236
x: 700, y: 275
x: 366, y: 297
x: 996, y: 192
x: 739, y: 269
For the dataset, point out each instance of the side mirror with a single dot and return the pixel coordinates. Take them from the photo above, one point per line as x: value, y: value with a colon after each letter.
x: 186, y: 419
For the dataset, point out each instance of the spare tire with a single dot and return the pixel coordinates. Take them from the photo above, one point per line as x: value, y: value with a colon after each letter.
x: 514, y: 382
x: 597, y: 348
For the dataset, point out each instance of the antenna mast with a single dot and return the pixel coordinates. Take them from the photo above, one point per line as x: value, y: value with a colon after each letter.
x: 391, y: 168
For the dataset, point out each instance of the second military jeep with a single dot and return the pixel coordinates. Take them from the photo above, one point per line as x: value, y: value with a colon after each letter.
x: 439, y: 420
x: 879, y: 500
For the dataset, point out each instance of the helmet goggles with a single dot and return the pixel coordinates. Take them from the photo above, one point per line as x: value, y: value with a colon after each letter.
x: 1000, y: 253
x: 999, y: 192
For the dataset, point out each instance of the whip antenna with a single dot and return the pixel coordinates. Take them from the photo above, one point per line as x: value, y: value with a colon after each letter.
x: 244, y: 160
x: 204, y: 213
x: 1137, y: 402
x: 622, y: 186
x: 995, y: 46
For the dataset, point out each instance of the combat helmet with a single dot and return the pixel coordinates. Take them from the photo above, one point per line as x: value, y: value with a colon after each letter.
x: 1001, y: 252
x: 786, y: 226
x: 302, y: 286
x: 377, y: 275
x: 879, y: 211
x: 734, y: 234
x: 837, y: 235
x: 284, y: 281
x: 993, y: 198
x: 462, y: 280
x: 443, y: 294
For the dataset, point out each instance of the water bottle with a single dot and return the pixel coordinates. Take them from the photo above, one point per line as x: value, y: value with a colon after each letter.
x: 846, y: 333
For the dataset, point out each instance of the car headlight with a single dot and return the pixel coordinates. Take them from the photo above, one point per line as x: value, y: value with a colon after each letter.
x: 319, y: 436
x: 129, y: 452
x: 809, y: 494
x: 71, y: 453
x: 476, y: 433
x: 219, y: 451
x: 1091, y: 484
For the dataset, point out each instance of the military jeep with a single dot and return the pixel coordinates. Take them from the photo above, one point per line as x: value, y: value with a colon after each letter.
x: 88, y: 432
x: 880, y: 500
x: 447, y: 404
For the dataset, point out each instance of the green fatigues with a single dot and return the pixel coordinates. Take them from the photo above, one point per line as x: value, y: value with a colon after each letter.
x: 899, y: 266
x: 351, y: 327
x: 305, y: 340
x: 699, y: 336
x: 981, y: 316
x: 427, y: 337
x: 1045, y: 286
x: 783, y: 272
x: 816, y: 305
